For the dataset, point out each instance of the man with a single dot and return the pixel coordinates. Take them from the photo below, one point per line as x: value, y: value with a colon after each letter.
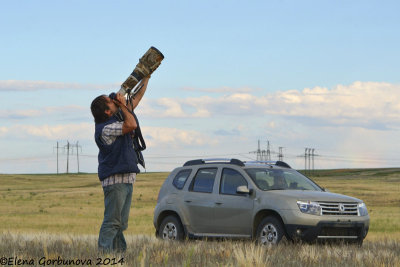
x: 117, y: 164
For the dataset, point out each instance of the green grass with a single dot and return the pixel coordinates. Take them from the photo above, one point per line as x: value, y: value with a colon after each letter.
x: 60, y: 215
x: 378, y: 188
x: 70, y: 204
x: 73, y: 204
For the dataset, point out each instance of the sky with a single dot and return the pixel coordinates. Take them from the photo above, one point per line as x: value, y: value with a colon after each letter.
x: 291, y: 74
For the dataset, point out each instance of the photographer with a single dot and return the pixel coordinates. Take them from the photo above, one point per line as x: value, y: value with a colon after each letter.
x: 117, y: 163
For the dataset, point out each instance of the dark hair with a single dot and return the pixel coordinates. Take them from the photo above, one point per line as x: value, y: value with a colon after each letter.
x: 98, y: 108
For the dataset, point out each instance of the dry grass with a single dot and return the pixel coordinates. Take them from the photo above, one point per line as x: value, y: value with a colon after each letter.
x: 148, y: 251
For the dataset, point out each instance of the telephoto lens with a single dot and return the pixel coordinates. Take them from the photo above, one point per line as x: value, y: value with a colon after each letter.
x: 148, y: 63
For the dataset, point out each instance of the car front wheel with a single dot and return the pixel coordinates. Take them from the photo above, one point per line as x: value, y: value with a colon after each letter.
x: 171, y: 229
x: 270, y: 231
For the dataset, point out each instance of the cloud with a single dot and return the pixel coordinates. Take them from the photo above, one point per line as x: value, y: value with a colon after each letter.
x: 363, y: 104
x: 223, y: 132
x: 373, y: 105
x: 45, y: 112
x: 368, y: 104
x: 50, y: 132
x: 14, y: 85
x: 154, y: 136
x: 224, y: 89
x: 174, y: 137
x: 172, y: 108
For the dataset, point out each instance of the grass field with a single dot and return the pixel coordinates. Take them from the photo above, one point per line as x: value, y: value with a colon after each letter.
x: 54, y: 212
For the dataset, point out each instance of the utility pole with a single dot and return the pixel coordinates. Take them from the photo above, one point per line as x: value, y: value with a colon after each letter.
x: 280, y: 155
x: 309, y: 161
x: 305, y: 161
x: 268, y: 152
x: 57, y: 147
x: 77, y: 156
x: 69, y: 149
x: 67, y: 146
x: 312, y: 154
x: 261, y: 156
x: 260, y: 153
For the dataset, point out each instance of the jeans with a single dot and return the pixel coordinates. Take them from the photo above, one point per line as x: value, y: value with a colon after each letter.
x: 117, y: 203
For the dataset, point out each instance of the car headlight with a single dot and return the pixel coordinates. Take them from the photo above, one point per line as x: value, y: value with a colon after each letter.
x: 309, y: 207
x: 362, y: 209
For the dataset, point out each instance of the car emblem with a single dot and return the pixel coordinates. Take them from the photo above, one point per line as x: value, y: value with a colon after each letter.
x: 341, y: 207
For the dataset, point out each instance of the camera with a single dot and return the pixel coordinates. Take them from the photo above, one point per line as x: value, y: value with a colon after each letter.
x: 113, y: 96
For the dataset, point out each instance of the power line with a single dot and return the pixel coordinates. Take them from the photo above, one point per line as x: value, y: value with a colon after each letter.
x: 308, y: 160
x: 280, y: 155
x: 265, y: 155
x: 69, y: 147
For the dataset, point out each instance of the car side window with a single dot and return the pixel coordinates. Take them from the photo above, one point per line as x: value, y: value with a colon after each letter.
x: 204, y: 180
x: 230, y: 180
x: 180, y: 178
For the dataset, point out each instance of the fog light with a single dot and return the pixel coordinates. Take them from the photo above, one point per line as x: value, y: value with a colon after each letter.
x: 298, y: 232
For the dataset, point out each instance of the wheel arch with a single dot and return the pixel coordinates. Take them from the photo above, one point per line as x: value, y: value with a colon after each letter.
x: 164, y: 215
x: 261, y: 215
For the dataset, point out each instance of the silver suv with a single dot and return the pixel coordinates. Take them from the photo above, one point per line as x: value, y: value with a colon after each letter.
x: 260, y: 200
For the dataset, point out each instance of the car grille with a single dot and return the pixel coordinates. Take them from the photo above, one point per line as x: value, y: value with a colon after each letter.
x: 337, y: 208
x: 335, y: 231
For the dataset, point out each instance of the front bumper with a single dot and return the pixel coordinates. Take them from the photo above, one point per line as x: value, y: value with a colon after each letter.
x: 328, y: 230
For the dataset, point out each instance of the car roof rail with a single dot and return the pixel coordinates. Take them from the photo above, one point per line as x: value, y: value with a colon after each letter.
x: 282, y: 164
x: 214, y: 160
x: 269, y: 162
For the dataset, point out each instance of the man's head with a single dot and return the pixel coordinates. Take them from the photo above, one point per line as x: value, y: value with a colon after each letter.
x: 103, y: 108
x: 279, y: 180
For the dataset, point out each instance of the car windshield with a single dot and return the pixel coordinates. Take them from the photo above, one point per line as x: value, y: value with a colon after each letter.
x: 281, y: 179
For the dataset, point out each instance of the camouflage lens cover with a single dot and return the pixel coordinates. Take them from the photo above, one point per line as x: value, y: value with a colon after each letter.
x: 148, y: 63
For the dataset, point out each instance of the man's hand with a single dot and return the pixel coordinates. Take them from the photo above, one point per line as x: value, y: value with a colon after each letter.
x: 129, y: 121
x: 119, y: 100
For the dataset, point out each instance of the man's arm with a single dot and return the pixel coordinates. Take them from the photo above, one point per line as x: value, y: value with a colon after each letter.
x: 129, y: 121
x: 139, y: 95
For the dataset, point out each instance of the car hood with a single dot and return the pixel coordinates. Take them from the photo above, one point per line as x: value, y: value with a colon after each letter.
x: 306, y: 195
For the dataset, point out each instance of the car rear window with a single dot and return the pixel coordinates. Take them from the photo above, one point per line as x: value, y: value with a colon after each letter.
x: 204, y: 180
x: 180, y: 178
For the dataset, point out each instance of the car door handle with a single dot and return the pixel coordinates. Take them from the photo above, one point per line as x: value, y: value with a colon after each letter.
x: 219, y: 203
x: 188, y: 201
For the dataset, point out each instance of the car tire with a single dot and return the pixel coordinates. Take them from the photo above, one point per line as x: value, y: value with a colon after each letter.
x: 171, y: 229
x: 270, y: 231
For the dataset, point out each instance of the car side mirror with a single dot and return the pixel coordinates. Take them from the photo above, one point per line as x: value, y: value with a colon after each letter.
x: 243, y: 190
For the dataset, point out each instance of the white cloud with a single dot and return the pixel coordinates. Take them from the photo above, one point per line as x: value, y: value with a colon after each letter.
x: 173, y: 137
x: 154, y: 136
x: 50, y: 132
x: 364, y: 104
x: 224, y: 89
x: 45, y: 112
x: 16, y: 85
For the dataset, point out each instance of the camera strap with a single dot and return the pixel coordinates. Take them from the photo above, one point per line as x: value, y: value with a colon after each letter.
x: 138, y: 140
